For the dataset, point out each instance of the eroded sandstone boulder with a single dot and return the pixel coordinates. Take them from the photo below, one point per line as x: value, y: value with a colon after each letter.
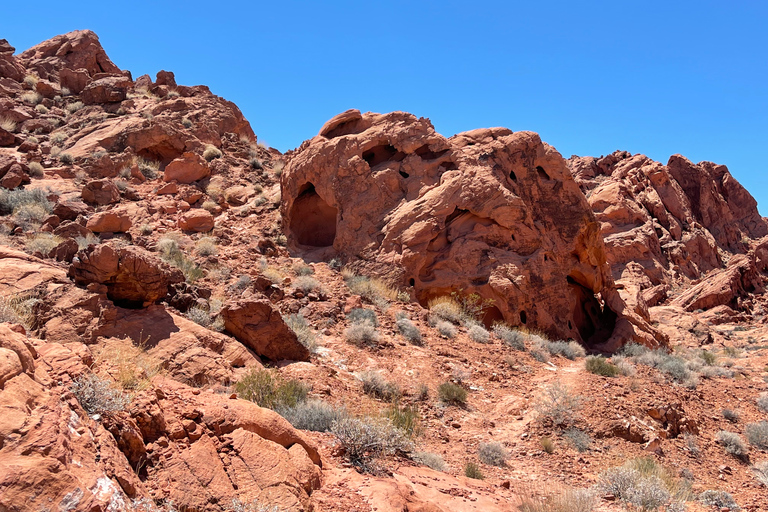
x: 100, y: 192
x: 112, y: 221
x: 188, y: 168
x: 9, y: 66
x: 197, y: 219
x: 489, y: 211
x: 79, y: 49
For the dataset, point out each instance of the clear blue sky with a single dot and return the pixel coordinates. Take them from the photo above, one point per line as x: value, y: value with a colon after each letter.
x: 652, y: 77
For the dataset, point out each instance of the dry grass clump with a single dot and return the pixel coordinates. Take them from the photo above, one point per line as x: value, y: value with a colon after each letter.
x: 12, y: 201
x: 446, y: 329
x: 578, y: 439
x: 558, y: 405
x: 565, y: 500
x: 83, y: 242
x: 719, y: 499
x: 33, y: 98
x: 363, y: 316
x: 303, y: 331
x: 472, y: 470
x: 365, y: 440
x: 761, y: 472
x: 569, y: 349
x: 206, y: 246
x: 170, y: 252
x: 376, y: 386
x: 71, y: 108
x: 371, y: 289
x: 409, y: 331
x: 447, y: 308
x: 19, y: 308
x: 269, y: 389
x: 57, y: 139
x: 406, y: 418
x: 314, y: 415
x: 600, y: 366
x: 66, y: 158
x: 674, y: 367
x: 452, y: 394
x: 98, y: 396
x: 41, y: 109
x: 31, y: 80
x: 478, y: 334
x: 644, y: 484
x: 493, y: 454
x: 36, y: 170
x: 512, y: 338
x: 757, y: 434
x: 211, y: 152
x: 7, y: 124
x: 307, y: 284
x: 43, y: 243
x: 132, y: 367
x: 431, y: 460
x: 732, y: 444
x: 148, y: 168
x: 361, y: 334
x: 762, y: 400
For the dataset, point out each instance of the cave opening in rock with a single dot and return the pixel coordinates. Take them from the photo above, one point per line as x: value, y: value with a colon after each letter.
x: 542, y: 173
x: 512, y: 176
x: 313, y: 221
x: 523, y: 317
x: 593, y: 321
x: 491, y: 316
x: 382, y: 153
x: 125, y: 303
x: 427, y: 154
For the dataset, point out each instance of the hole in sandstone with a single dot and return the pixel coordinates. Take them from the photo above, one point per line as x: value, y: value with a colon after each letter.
x: 345, y: 128
x: 126, y: 303
x: 412, y: 282
x: 570, y: 325
x: 491, y: 316
x: 542, y: 173
x: 404, y: 174
x: 512, y: 176
x: 427, y: 154
x: 450, y: 165
x: 313, y: 221
x: 523, y: 317
x: 383, y: 153
x: 593, y: 321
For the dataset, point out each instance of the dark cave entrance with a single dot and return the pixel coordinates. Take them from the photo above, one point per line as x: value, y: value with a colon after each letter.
x: 492, y: 315
x: 593, y: 321
x: 313, y: 221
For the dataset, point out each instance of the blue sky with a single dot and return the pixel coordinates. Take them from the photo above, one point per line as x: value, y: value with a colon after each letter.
x: 650, y: 77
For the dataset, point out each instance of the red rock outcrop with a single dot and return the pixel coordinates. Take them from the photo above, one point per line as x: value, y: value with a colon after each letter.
x: 198, y: 220
x: 9, y: 66
x: 188, y: 168
x: 75, y: 50
x: 488, y: 211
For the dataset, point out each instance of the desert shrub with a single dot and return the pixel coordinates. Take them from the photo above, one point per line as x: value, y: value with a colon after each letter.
x: 98, y: 396
x: 211, y: 152
x: 30, y: 80
x: 567, y: 500
x: 762, y: 399
x: 148, y: 168
x: 363, y: 316
x: 568, y: 349
x: 307, y: 284
x: 478, y: 334
x: 364, y: 440
x: 171, y: 253
x: 7, y: 124
x: 672, y: 366
x: 757, y: 434
x: 20, y: 308
x: 406, y: 418
x: 422, y: 392
x: 451, y: 394
x: 30, y: 216
x: 731, y: 415
x: 558, y: 405
x: 57, y: 139
x: 255, y: 163
x: 303, y: 331
x: 376, y: 386
x: 33, y: 98
x: 707, y: 357
x: 83, y: 242
x: 719, y: 499
x: 250, y: 506
x: 547, y: 444
x: 431, y: 460
x: 373, y: 290
x: 446, y: 329
x: 268, y: 389
x: 11, y: 201
x: 302, y: 269
x: 732, y: 443
x: 66, y: 158
x: 43, y: 243
x: 186, y: 122
x: 242, y: 282
x: 761, y: 472
x: 600, y: 366
x: 510, y: 337
x: 41, y: 109
x: 206, y: 246
x: 644, y: 484
x: 74, y: 107
x: 623, y: 365
x: 540, y: 354
x: 578, y: 439
x: 447, y: 308
x: 493, y: 454
x: 199, y: 315
x: 472, y: 470
x: 409, y: 331
x: 314, y: 415
x: 362, y: 334
x: 36, y: 170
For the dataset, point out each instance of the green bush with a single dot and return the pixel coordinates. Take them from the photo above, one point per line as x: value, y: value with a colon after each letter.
x: 600, y: 366
x: 406, y: 418
x: 472, y: 470
x: 451, y: 394
x: 376, y: 386
x: 268, y: 389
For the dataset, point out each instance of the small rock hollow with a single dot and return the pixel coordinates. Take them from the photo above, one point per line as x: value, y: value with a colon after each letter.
x: 382, y: 153
x: 313, y: 221
x: 594, y: 322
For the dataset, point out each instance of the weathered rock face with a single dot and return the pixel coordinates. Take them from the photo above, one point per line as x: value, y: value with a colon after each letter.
x: 100, y: 192
x: 132, y: 275
x: 488, y: 211
x: 9, y: 66
x: 259, y: 326
x: 75, y: 50
x: 113, y: 221
x: 198, y: 220
x: 188, y: 168
x: 110, y: 89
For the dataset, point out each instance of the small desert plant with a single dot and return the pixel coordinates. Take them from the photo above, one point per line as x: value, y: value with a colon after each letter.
x: 211, y: 152
x: 66, y: 158
x: 446, y: 329
x: 493, y: 454
x: 20, y: 308
x: 252, y: 506
x: 31, y: 80
x: 206, y: 246
x: 732, y: 444
x: 362, y: 334
x: 363, y: 316
x: 364, y: 440
x: 644, y: 484
x: 255, y: 163
x: 472, y: 470
x: 41, y: 109
x: 33, y: 98
x: 406, y: 418
x: 447, y: 308
x: 719, y: 499
x: 303, y: 331
x: 121, y: 185
x: 74, y: 107
x: 452, y: 394
x: 409, y: 331
x: 242, y: 282
x: 547, y: 444
x: 215, y: 192
x: 431, y: 460
x: 7, y: 124
x: 731, y: 415
x: 567, y: 500
x: 568, y: 349
x: 57, y: 138
x: 558, y: 405
x: 307, y: 284
x: 36, y: 170
x: 372, y: 289
x: 762, y: 399
x: 170, y: 252
x: 578, y: 439
x: 422, y: 392
x: 43, y: 243
x: 376, y: 386
x: 757, y: 434
x: 600, y: 366
x: 761, y: 472
x: 302, y: 269
x: 186, y: 123
x: 625, y: 367
x: 268, y: 389
x: 98, y: 396
x: 148, y: 168
x: 314, y: 415
x: 83, y: 242
x: 199, y: 315
x: 512, y: 338
x: 478, y: 334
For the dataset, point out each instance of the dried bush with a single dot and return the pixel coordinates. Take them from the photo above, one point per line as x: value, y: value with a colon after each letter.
x: 732, y: 443
x: 431, y: 460
x: 731, y: 415
x: 644, y: 484
x: 446, y: 329
x: 547, y: 444
x: 268, y: 389
x: 600, y: 366
x: 373, y: 290
x: 493, y: 454
x: 148, y: 168
x: 406, y: 418
x: 43, y: 243
x: 578, y: 439
x: 7, y: 124
x: 719, y: 499
x: 762, y: 399
x: 472, y: 470
x: 33, y: 98
x: 568, y: 500
x: 510, y: 337
x: 66, y: 158
x: 761, y: 472
x: 199, y: 315
x: 409, y: 331
x: 71, y: 108
x: 448, y: 309
x: 558, y: 405
x: 376, y: 386
x: 302, y: 269
x: 478, y: 334
x: 186, y: 123
x: 451, y: 394
x: 307, y: 284
x: 303, y: 331
x: 170, y: 252
x: 83, y: 242
x: 362, y: 334
x: 211, y: 152
x: 36, y: 170
x: 363, y: 316
x: 568, y: 349
x: 242, y: 282
x: 206, y: 246
x: 13, y: 201
x: 314, y: 415
x: 364, y: 440
x: 97, y: 395
x: 757, y: 434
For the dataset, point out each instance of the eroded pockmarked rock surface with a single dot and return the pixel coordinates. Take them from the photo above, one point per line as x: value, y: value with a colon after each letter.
x: 488, y: 211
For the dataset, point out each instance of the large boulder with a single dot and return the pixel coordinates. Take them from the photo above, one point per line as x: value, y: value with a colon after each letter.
x: 111, y: 89
x: 112, y: 221
x: 131, y: 274
x: 9, y: 66
x: 258, y: 325
x: 79, y: 49
x: 188, y: 168
x: 489, y: 211
x: 198, y: 220
x: 100, y: 192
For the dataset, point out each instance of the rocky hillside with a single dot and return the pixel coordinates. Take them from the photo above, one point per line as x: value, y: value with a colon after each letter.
x: 383, y: 319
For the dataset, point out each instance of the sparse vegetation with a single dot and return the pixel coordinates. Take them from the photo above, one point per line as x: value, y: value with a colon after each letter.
x: 206, y: 246
x: 314, y: 415
x: 719, y: 499
x: 472, y: 470
x: 493, y: 454
x: 307, y: 284
x: 365, y: 440
x: 757, y: 434
x: 431, y: 460
x: 732, y: 444
x: 302, y: 269
x: 148, y: 168
x: 36, y: 170
x: 600, y: 366
x: 731, y: 415
x: 33, y: 98
x: 242, y: 283
x: 98, y: 396
x: 373, y: 290
x: 568, y: 349
x: 447, y: 308
x: 41, y: 109
x: 452, y: 394
x: 29, y: 207
x: 406, y: 418
x: 376, y: 386
x: 761, y: 472
x: 446, y: 329
x: 478, y: 334
x: 579, y: 439
x: 186, y: 123
x: 43, y: 243
x: 363, y: 316
x: 362, y: 334
x: 303, y: 331
x: 71, y: 108
x: 170, y: 252
x: 762, y: 399
x: 268, y: 389
x: 558, y: 405
x: 84, y: 241
x: 66, y: 158
x: 547, y: 444
x: 199, y: 315
x: 211, y: 153
x: 512, y: 338
x: 409, y: 331
x: 19, y: 308
x: 567, y: 500
x: 644, y: 484
x: 7, y: 124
